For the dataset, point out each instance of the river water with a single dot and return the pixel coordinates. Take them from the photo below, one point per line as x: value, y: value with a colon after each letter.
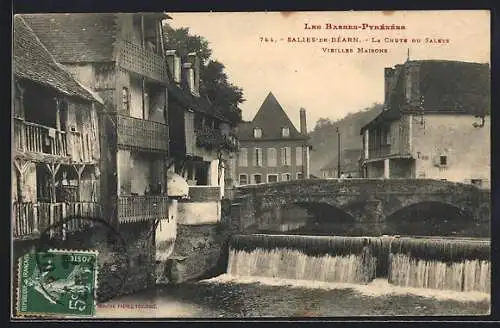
x: 227, y: 296
x: 265, y: 281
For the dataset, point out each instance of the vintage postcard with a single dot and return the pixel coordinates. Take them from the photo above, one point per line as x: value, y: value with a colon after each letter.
x: 251, y: 165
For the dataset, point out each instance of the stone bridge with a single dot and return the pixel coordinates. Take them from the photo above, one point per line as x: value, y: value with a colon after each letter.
x: 369, y: 203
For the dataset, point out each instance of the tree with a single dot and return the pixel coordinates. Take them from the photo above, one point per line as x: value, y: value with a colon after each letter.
x: 214, y: 84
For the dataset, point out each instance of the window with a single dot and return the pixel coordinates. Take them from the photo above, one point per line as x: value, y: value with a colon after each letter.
x: 257, y: 133
x: 286, y: 157
x: 243, y: 158
x: 125, y: 99
x: 443, y: 160
x: 272, y: 158
x: 285, y: 132
x: 257, y: 178
x: 286, y: 177
x: 272, y: 178
x: 477, y: 182
x: 243, y: 179
x: 257, y: 157
x: 298, y: 156
x: 300, y: 176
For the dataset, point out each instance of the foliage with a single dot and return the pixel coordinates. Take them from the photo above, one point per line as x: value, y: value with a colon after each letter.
x: 210, y: 138
x: 324, y: 136
x: 214, y: 83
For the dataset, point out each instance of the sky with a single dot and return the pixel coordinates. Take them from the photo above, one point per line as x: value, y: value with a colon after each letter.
x: 330, y: 84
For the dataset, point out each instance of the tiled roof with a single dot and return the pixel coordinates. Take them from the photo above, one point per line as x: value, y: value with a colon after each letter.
x: 445, y: 87
x: 76, y: 37
x: 33, y: 62
x: 270, y: 118
x: 348, y: 160
x: 454, y: 86
x: 197, y: 104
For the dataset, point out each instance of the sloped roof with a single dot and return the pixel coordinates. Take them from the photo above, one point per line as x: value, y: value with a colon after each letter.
x: 348, y: 160
x: 76, y: 37
x: 454, y: 86
x: 270, y: 118
x: 197, y: 104
x: 445, y: 86
x: 32, y: 61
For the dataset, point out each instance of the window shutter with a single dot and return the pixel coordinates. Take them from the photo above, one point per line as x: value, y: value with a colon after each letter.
x: 288, y: 155
x: 243, y: 159
x: 298, y: 156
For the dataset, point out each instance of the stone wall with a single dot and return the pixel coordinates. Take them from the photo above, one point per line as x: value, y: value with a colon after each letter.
x: 119, y: 272
x: 199, y: 252
x: 369, y: 202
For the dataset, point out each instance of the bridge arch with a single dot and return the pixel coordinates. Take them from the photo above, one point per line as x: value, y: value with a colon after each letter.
x: 429, y: 217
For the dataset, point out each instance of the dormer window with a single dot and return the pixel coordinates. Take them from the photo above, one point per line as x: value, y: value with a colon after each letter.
x: 257, y: 133
x: 285, y: 132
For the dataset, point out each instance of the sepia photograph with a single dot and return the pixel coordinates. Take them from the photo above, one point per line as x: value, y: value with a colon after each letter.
x: 250, y: 165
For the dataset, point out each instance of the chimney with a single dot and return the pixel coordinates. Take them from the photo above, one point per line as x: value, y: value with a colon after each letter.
x: 174, y: 65
x: 303, y: 124
x: 388, y: 80
x: 188, y: 77
x: 194, y: 60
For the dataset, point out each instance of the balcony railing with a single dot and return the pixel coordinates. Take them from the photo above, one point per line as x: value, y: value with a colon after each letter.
x: 35, y: 138
x: 142, y: 208
x: 31, y: 219
x: 134, y: 58
x: 380, y: 151
x: 143, y: 134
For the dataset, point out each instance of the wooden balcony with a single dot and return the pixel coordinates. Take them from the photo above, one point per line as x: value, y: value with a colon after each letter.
x: 29, y: 220
x: 142, y: 208
x: 380, y: 151
x: 142, y: 134
x: 134, y: 58
x: 37, y: 140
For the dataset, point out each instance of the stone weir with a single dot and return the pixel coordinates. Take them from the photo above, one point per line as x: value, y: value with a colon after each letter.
x: 438, y: 263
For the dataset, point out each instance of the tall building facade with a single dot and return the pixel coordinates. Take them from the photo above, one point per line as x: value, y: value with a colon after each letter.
x: 271, y: 148
x: 435, y: 124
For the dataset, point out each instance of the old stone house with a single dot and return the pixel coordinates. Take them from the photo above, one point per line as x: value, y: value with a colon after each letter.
x: 56, y: 150
x: 201, y: 141
x: 435, y: 125
x: 120, y: 56
x: 271, y: 148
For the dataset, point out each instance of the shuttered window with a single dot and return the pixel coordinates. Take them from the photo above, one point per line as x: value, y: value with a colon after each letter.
x: 272, y: 159
x: 286, y: 156
x: 243, y: 157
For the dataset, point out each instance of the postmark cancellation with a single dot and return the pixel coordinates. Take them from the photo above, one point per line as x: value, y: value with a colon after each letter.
x: 57, y: 283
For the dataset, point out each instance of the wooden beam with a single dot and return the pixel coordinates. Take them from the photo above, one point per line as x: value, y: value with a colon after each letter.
x: 21, y: 166
x: 79, y: 170
x: 53, y: 168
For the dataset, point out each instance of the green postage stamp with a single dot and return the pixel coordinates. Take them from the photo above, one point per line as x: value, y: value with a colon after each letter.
x: 58, y: 283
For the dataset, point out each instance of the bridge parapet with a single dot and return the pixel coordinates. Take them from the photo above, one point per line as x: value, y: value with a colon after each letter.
x: 367, y: 200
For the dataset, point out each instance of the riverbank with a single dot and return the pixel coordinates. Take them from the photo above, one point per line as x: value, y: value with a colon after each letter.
x: 227, y: 297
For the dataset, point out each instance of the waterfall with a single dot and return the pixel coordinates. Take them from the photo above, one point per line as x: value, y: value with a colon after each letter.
x: 440, y: 264
x: 437, y: 263
x: 327, y: 259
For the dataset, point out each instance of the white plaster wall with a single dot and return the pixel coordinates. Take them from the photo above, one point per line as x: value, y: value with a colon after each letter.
x: 467, y: 148
x: 192, y: 213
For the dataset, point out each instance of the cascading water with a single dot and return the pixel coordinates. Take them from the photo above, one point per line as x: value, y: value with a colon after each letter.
x: 460, y: 265
x: 328, y: 259
x: 440, y: 264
